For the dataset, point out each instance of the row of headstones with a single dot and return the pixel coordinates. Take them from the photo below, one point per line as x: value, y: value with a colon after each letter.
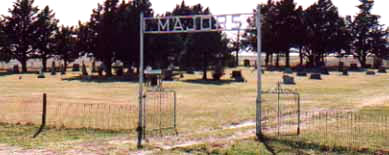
x: 287, y: 79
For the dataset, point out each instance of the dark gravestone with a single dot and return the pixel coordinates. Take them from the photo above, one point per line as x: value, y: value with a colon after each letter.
x: 119, y: 71
x: 84, y: 71
x: 153, y: 81
x: 289, y: 80
x: 15, y: 69
x: 168, y: 75
x: 237, y: 75
x: 53, y: 69
x: 41, y: 74
x: 63, y: 70
x: 370, y: 73
x: 94, y: 67
x: 382, y: 70
x: 353, y: 67
x: 246, y: 63
x: 302, y: 73
x: 340, y: 66
x: 315, y: 76
x: 345, y: 72
x: 324, y: 71
x: 76, y: 68
x: 190, y: 71
x: 288, y: 71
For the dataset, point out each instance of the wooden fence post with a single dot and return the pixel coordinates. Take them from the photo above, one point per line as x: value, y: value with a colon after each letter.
x: 43, y: 116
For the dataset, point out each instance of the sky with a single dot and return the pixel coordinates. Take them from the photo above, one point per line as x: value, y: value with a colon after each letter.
x: 69, y: 14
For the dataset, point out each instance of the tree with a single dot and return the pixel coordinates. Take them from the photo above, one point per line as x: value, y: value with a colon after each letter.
x: 3, y: 55
x: 66, y: 44
x: 210, y: 48
x: 365, y: 28
x: 20, y: 30
x: 46, y: 27
x: 326, y: 32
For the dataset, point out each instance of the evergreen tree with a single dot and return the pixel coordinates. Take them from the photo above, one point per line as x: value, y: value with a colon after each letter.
x: 21, y: 30
x: 66, y: 45
x: 46, y: 27
x: 368, y: 34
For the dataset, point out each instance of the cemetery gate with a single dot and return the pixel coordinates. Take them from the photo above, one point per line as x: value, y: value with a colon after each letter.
x: 281, y: 111
x: 159, y: 111
x: 194, y: 24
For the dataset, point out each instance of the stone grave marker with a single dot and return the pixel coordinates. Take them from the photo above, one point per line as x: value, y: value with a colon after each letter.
x: 381, y: 70
x: 288, y: 80
x: 237, y: 76
x: 53, y: 69
x: 41, y: 74
x: 315, y: 76
x: 76, y: 68
x: 84, y: 71
x: 370, y: 73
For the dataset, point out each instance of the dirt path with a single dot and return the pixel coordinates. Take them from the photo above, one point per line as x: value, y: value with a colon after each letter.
x: 374, y: 101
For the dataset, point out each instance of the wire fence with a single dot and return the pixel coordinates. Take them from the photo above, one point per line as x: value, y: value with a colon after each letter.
x: 71, y: 115
x: 334, y: 130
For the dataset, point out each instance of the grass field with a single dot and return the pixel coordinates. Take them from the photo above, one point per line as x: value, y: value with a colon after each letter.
x: 204, y: 108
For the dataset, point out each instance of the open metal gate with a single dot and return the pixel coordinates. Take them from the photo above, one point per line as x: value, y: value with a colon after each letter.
x: 159, y: 110
x: 281, y: 111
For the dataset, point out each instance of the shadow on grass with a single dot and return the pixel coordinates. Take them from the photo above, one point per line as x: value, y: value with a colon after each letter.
x: 101, y: 79
x: 279, y: 145
x: 210, y: 82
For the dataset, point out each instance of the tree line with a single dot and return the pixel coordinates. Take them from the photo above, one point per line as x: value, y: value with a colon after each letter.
x: 317, y: 32
x: 112, y: 34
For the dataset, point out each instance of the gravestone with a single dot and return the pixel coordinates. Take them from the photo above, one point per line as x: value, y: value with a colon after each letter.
x: 289, y: 80
x: 370, y: 73
x: 41, y: 74
x: 237, y: 75
x: 246, y: 63
x: 324, y: 71
x: 353, y: 67
x: 94, y: 67
x: 101, y: 69
x: 190, y: 70
x: 345, y: 72
x: 340, y: 66
x: 119, y: 71
x: 168, y: 75
x: 315, y: 76
x: 53, y: 70
x: 63, y: 69
x: 76, y: 68
x: 381, y: 70
x: 15, y: 69
x: 302, y: 73
x: 84, y: 71
x: 288, y: 71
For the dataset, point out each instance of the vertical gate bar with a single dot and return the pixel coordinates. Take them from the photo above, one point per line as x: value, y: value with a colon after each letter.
x: 175, y: 110
x: 298, y: 113
x: 278, y: 109
x: 259, y: 72
x: 140, y: 125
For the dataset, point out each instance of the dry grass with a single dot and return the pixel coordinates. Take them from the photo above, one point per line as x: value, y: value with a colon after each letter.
x: 202, y: 105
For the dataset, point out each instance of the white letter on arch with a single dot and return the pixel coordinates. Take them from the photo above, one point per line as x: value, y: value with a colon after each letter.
x: 178, y: 25
x: 165, y: 27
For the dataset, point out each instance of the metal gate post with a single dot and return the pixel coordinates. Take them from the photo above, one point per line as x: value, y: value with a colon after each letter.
x: 259, y: 72
x: 140, y: 126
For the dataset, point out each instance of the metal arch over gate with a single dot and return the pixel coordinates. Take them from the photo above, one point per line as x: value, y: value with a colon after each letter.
x: 200, y: 23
